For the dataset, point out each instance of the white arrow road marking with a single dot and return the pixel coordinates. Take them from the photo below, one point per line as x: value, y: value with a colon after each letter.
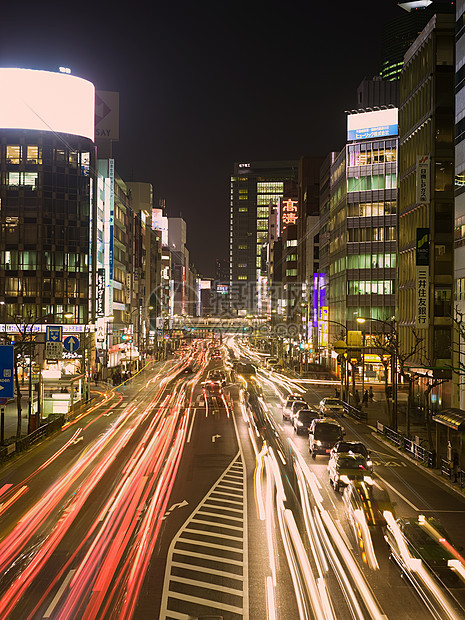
x: 215, y: 437
x: 78, y: 440
x: 171, y: 508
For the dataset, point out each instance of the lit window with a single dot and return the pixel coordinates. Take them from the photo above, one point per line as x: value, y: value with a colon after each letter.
x: 33, y: 155
x: 13, y: 154
x: 242, y: 277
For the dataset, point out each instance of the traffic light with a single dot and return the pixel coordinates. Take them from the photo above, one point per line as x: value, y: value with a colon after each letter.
x: 126, y: 338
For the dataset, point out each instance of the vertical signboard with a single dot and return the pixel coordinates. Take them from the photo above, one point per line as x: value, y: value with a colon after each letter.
x: 422, y: 279
x: 289, y: 212
x: 100, y: 309
x: 423, y: 179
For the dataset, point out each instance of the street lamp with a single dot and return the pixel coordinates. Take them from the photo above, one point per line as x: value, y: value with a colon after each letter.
x: 344, y: 365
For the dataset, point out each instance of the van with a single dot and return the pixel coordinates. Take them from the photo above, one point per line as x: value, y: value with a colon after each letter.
x: 323, y: 436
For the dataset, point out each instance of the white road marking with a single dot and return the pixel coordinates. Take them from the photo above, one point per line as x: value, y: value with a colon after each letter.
x: 58, y: 595
x: 191, y: 427
x: 407, y: 501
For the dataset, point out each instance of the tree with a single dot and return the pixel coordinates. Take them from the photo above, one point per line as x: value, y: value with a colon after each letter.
x: 399, y: 359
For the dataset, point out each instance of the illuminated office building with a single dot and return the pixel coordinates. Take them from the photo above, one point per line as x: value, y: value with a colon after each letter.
x: 362, y: 224
x: 426, y: 201
x: 256, y: 189
x: 47, y: 159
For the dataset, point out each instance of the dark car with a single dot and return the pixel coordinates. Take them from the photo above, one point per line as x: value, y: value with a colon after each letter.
x: 323, y: 436
x: 354, y: 447
x: 303, y: 420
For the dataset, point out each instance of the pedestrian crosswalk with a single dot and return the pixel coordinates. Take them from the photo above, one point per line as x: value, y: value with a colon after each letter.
x: 206, y: 572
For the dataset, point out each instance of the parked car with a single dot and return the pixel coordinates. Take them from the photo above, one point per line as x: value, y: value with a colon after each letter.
x: 303, y: 420
x: 331, y: 405
x: 354, y: 447
x: 323, y: 436
x: 344, y: 467
x: 287, y: 405
x: 295, y: 407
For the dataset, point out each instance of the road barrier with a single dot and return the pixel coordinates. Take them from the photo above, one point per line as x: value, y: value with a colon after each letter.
x: 426, y: 457
x: 355, y: 412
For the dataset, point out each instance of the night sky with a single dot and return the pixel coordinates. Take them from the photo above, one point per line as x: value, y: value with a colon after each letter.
x: 205, y: 84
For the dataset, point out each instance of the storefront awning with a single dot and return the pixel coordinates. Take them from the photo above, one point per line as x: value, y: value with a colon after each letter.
x: 453, y: 418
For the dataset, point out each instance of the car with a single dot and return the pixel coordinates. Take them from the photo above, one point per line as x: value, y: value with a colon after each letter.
x: 213, y: 384
x: 370, y: 499
x: 272, y: 362
x: 331, y: 405
x: 287, y: 405
x: 412, y: 539
x: 303, y: 419
x: 343, y: 467
x: 323, y: 436
x: 365, y: 503
x: 354, y: 447
x: 295, y: 407
x: 216, y: 376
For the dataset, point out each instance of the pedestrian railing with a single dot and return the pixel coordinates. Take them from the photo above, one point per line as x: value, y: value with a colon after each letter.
x: 355, y: 412
x: 405, y: 443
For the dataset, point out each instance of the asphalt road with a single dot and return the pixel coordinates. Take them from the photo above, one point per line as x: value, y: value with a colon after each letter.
x: 167, y: 501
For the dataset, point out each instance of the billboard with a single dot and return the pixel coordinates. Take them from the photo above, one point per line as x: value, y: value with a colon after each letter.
x: 106, y: 115
x: 369, y: 125
x: 46, y: 101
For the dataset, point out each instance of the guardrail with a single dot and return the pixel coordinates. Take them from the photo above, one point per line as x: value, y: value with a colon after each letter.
x: 355, y: 412
x: 403, y: 442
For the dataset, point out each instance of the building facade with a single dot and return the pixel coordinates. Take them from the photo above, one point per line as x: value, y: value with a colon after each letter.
x: 426, y: 199
x: 255, y: 188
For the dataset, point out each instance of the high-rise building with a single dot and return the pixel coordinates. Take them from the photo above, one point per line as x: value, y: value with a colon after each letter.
x: 459, y: 252
x: 255, y: 188
x: 362, y: 224
x: 401, y: 32
x: 426, y: 203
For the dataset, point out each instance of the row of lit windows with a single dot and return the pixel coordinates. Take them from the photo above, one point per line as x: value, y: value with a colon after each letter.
x: 364, y: 261
x: 35, y: 287
x: 15, y: 154
x: 357, y: 157
x: 370, y: 209
x: 382, y: 233
x: 459, y: 231
x: 271, y: 187
x: 291, y: 272
x: 32, y: 154
x: 370, y: 287
x: 265, y: 199
x: 372, y: 182
x: 25, y: 180
x: 32, y: 260
x: 460, y: 289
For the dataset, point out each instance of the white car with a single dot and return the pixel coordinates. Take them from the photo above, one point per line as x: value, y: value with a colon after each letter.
x: 330, y: 405
x: 288, y: 403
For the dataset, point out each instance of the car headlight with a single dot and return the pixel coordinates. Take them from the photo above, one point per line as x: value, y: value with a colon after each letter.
x: 344, y: 479
x: 368, y: 479
x: 318, y: 442
x: 370, y: 463
x: 299, y: 423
